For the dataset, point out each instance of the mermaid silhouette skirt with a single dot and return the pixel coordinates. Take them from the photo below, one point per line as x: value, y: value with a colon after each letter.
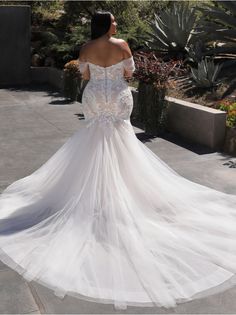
x: 106, y: 220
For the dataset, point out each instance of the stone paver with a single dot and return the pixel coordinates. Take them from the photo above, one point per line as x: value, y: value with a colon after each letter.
x: 34, y: 123
x: 15, y: 294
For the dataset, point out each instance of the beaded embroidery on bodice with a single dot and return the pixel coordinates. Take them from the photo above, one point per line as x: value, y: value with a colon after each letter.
x: 107, y: 98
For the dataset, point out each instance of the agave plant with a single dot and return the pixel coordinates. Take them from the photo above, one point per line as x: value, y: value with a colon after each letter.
x: 171, y: 30
x: 196, y: 52
x: 206, y: 74
x: 220, y: 27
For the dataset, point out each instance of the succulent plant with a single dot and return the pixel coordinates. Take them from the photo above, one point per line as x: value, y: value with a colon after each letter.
x: 171, y: 30
x: 206, y: 74
x: 196, y: 51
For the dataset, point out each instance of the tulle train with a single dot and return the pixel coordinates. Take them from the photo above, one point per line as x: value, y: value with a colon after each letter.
x: 106, y: 220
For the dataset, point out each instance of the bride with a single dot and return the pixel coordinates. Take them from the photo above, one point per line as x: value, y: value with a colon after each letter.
x: 105, y: 219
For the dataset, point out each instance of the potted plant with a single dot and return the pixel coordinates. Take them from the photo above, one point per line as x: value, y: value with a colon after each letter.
x: 229, y: 106
x: 154, y: 76
x: 71, y: 79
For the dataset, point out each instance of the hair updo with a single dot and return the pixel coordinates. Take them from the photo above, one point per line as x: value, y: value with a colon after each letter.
x: 100, y: 23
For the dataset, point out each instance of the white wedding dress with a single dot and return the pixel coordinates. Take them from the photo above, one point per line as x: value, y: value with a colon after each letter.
x: 106, y: 220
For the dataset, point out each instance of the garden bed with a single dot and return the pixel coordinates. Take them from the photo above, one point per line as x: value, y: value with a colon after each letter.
x: 205, y: 98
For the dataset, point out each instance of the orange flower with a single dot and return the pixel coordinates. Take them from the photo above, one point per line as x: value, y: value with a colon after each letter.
x: 72, y: 68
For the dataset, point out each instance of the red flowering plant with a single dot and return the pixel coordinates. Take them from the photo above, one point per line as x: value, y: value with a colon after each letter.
x: 155, y: 76
x: 152, y: 69
x: 229, y: 106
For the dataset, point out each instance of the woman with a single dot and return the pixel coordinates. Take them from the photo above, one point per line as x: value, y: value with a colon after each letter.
x: 103, y: 49
x: 105, y: 219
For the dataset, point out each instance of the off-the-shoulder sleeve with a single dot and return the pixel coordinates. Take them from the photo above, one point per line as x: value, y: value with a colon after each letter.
x: 82, y: 65
x: 129, y: 64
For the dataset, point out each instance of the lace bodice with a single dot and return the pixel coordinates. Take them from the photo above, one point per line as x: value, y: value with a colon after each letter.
x: 107, y: 98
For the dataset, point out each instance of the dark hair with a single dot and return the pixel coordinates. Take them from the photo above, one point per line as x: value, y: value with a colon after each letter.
x: 100, y: 23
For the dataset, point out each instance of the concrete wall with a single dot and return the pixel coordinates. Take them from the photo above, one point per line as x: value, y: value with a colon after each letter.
x: 14, y: 45
x: 200, y: 124
x: 50, y: 75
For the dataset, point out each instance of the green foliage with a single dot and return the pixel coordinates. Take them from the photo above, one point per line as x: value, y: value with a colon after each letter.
x: 130, y: 15
x: 63, y: 36
x: 49, y: 10
x: 230, y: 108
x: 48, y: 38
x: 171, y: 29
x: 218, y: 24
x: 62, y: 52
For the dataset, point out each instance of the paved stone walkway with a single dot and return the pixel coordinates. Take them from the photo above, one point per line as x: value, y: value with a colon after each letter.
x: 34, y: 123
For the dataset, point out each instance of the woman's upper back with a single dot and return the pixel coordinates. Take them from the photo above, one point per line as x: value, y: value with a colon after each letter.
x: 105, y: 52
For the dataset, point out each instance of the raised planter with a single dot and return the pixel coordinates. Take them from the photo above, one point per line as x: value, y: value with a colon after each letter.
x: 50, y: 75
x: 54, y: 77
x: 194, y: 122
x: 198, y: 123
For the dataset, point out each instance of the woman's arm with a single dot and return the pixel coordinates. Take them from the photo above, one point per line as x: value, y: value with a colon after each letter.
x: 129, y: 66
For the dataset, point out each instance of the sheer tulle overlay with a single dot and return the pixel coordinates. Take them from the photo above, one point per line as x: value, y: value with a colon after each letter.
x: 106, y: 220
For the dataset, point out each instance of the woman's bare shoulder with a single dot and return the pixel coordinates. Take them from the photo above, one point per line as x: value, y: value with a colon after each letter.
x: 83, y: 51
x: 85, y: 46
x: 121, y: 43
x: 125, y: 48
